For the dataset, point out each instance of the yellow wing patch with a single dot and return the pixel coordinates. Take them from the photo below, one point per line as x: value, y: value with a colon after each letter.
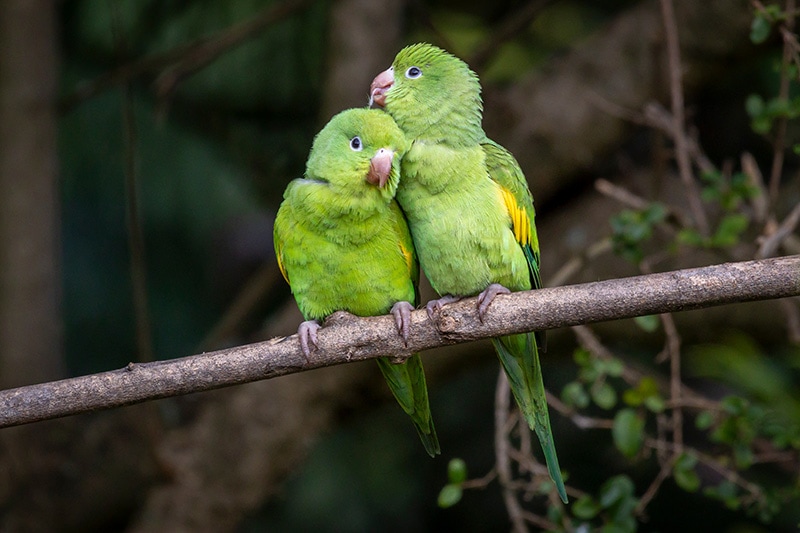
x: 520, y: 222
x: 409, y: 257
x: 280, y: 264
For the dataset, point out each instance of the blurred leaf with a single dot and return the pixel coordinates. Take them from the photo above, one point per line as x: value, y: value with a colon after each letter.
x: 648, y: 323
x: 684, y: 473
x: 754, y: 105
x: 450, y: 495
x: 655, y: 403
x: 628, y: 432
x: 760, y: 29
x: 457, y: 470
x: 604, y: 396
x: 704, y: 420
x: 730, y: 229
x: 585, y: 508
x: 575, y: 395
x: 738, y: 361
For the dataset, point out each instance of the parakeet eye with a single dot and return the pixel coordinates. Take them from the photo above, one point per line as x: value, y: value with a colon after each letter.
x: 413, y: 73
x: 355, y: 144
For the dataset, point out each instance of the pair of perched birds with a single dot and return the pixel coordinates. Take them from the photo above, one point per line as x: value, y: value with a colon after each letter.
x: 418, y: 180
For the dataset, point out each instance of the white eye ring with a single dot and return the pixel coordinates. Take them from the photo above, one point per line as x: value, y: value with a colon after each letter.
x: 355, y: 144
x: 413, y: 73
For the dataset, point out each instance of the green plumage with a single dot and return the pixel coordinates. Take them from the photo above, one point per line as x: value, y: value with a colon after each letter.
x: 468, y: 206
x: 343, y: 244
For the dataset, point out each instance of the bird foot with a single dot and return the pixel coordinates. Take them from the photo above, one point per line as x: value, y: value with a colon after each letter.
x: 402, y: 318
x: 434, y: 306
x: 487, y: 297
x: 307, y: 331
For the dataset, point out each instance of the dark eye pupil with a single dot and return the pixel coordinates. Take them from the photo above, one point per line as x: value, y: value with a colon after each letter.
x: 414, y: 72
x: 355, y: 143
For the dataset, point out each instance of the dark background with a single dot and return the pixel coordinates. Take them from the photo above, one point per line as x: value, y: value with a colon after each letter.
x: 206, y: 110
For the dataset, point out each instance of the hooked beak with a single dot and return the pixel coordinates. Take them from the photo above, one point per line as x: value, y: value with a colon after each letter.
x: 380, y: 85
x: 380, y: 166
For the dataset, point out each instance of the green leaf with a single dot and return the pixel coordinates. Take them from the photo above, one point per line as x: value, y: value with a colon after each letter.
x: 614, y: 367
x: 604, y: 396
x: 585, y: 508
x: 582, y: 356
x: 688, y: 480
x: 655, y: 403
x: 449, y: 495
x: 704, y: 420
x: 628, y: 432
x: 648, y: 323
x: 754, y: 105
x: 457, y: 470
x: 684, y: 473
x: 575, y: 395
x: 761, y: 124
x: 690, y: 237
x: 615, y: 490
x: 760, y: 29
x: 729, y: 230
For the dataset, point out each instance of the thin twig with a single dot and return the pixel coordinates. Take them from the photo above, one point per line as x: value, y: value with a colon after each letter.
x: 580, y: 421
x: 502, y: 455
x: 769, y: 246
x: 779, y: 142
x: 711, y: 462
x: 621, y: 194
x: 755, y: 178
x: 656, y: 116
x: 577, y: 262
x: 790, y: 309
x: 136, y: 245
x: 676, y: 93
x: 673, y: 347
x: 513, y: 24
x: 663, y: 474
x: 187, y: 58
x: 481, y: 482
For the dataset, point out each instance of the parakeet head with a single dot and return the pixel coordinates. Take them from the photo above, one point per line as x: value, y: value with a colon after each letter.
x: 357, y: 156
x: 431, y: 94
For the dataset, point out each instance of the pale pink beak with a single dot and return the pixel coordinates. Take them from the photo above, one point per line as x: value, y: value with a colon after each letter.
x: 380, y: 85
x: 380, y: 167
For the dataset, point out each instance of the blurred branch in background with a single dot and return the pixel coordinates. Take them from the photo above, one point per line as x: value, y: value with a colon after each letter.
x: 171, y: 67
x: 30, y: 213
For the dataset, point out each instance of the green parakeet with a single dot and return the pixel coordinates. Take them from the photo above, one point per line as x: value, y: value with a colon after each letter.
x: 342, y: 243
x: 468, y: 207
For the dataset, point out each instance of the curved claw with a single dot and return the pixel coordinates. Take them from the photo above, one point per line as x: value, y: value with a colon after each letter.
x: 402, y: 318
x: 434, y: 306
x: 307, y: 331
x: 486, y: 298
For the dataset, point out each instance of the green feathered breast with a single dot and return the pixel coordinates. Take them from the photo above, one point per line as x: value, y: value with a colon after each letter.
x: 343, y: 244
x: 468, y: 206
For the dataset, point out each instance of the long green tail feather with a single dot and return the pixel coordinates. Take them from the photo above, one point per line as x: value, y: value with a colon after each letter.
x: 519, y: 357
x: 407, y: 383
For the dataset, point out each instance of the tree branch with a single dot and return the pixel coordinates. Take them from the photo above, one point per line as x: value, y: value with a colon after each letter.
x: 346, y: 338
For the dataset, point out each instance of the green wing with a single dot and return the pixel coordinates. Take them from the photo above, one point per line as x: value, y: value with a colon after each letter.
x: 519, y: 354
x: 407, y: 248
x: 504, y: 170
x: 407, y: 380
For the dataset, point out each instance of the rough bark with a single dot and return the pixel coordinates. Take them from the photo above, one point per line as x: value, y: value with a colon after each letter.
x: 348, y: 338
